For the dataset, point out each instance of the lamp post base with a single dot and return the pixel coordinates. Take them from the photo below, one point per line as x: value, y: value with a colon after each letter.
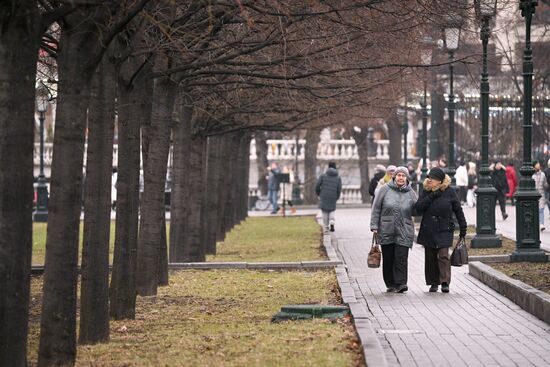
x: 530, y: 255
x: 485, y: 219
x: 40, y: 216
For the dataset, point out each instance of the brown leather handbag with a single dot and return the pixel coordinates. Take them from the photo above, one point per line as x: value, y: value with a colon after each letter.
x: 375, y: 254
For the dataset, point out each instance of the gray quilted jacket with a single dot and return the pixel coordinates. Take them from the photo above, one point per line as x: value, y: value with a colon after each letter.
x: 392, y: 213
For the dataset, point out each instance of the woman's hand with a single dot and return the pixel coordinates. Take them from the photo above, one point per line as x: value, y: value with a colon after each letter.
x: 375, y: 232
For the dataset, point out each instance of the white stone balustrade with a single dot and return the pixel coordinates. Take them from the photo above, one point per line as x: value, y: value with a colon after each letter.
x: 277, y: 150
x: 351, y: 194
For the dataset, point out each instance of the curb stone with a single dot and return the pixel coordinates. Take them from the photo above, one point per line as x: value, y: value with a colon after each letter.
x: 532, y: 300
x: 373, y: 353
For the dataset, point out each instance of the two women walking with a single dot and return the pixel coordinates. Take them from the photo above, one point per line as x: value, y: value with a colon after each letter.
x: 391, y: 221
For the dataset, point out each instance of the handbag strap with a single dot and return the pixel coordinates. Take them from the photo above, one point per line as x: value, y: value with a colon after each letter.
x: 374, y: 240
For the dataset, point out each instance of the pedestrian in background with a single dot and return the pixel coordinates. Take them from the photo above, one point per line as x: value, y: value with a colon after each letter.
x: 501, y: 185
x: 390, y: 171
x: 287, y: 189
x: 379, y: 172
x: 273, y: 187
x: 391, y: 221
x: 329, y: 188
x: 512, y: 179
x: 547, y: 191
x: 461, y: 177
x: 437, y: 204
x: 472, y: 184
x: 541, y: 186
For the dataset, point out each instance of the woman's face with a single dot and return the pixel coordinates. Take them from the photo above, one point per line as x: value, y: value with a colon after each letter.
x: 434, y: 182
x: 400, y: 179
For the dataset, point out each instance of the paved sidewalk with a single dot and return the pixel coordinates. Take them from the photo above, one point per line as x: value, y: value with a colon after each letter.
x: 471, y: 326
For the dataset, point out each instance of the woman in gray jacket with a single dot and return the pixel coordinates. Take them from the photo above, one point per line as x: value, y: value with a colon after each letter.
x: 391, y: 221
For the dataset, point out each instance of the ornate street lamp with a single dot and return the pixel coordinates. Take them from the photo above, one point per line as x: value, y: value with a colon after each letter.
x: 426, y: 59
x: 486, y: 193
x: 451, y: 40
x: 527, y: 198
x: 41, y: 213
x: 405, y: 133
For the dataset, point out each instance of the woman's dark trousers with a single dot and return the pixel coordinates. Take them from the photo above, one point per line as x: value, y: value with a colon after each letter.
x: 501, y: 198
x: 437, y: 265
x: 394, y: 264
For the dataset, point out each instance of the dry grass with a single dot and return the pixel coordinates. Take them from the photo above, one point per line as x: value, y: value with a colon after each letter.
x: 222, y: 318
x: 272, y: 239
x: 535, y: 274
x: 508, y: 246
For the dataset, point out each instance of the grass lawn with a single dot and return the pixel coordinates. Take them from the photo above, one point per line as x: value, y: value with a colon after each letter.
x: 256, y: 239
x: 272, y: 239
x: 222, y: 318
x: 535, y: 274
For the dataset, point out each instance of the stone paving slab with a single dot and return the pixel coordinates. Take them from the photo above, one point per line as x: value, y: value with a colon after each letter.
x: 473, y: 325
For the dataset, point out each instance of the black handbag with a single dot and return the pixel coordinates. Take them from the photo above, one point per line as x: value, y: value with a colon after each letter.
x: 459, y: 256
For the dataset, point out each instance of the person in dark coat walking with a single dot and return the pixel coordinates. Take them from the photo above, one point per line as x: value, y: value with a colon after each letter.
x: 329, y: 188
x: 391, y: 221
x: 437, y: 204
x: 379, y: 172
x: 273, y: 187
x: 501, y: 185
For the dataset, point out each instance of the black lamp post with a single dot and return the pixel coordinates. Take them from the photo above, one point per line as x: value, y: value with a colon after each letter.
x: 405, y: 133
x: 486, y: 193
x: 426, y: 59
x: 527, y: 198
x: 452, y: 37
x: 41, y: 213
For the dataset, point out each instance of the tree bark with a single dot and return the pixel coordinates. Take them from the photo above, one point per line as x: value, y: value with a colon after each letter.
x: 180, y: 175
x: 214, y: 167
x: 245, y: 177
x: 94, y: 294
x: 58, y: 320
x: 17, y: 80
x: 363, y: 152
x: 395, y: 135
x: 261, y: 160
x: 223, y: 185
x: 313, y: 137
x: 134, y: 106
x: 152, y: 204
x: 194, y: 250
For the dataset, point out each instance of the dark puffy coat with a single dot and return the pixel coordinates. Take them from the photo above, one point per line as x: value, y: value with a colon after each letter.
x: 273, y: 180
x: 329, y: 188
x: 392, y: 214
x: 374, y: 183
x: 437, y: 208
x: 499, y: 180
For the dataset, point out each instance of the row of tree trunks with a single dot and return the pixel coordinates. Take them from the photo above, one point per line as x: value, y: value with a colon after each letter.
x: 360, y: 138
x: 94, y: 299
x: 152, y: 202
x: 262, y: 163
x: 58, y: 319
x: 313, y: 137
x: 134, y: 106
x: 214, y: 169
x: 18, y: 56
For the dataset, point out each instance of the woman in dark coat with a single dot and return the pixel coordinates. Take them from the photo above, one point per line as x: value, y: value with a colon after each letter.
x: 437, y: 204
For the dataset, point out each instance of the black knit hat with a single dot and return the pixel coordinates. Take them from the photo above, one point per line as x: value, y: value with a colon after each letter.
x: 437, y: 174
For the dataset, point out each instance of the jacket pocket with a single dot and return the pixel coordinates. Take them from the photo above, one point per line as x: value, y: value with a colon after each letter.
x: 409, y: 228
x: 387, y: 225
x: 444, y: 224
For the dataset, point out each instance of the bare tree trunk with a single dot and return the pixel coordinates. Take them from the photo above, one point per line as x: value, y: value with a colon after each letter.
x: 94, y: 295
x: 194, y: 250
x: 214, y: 167
x: 163, y: 256
x: 394, y: 134
x: 313, y: 137
x: 229, y: 183
x: 17, y: 77
x: 180, y: 175
x: 261, y: 160
x: 134, y: 106
x: 58, y: 319
x: 223, y: 185
x: 152, y: 205
x: 245, y: 177
x: 363, y: 152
